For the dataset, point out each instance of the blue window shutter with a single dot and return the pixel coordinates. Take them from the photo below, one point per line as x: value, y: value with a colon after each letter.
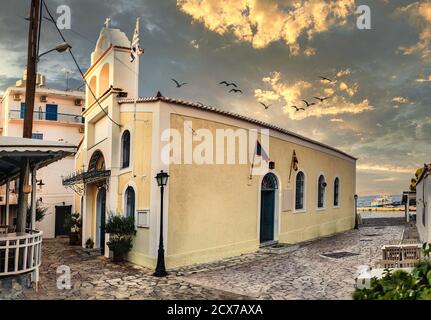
x: 52, y: 112
x: 38, y: 136
x: 22, y: 110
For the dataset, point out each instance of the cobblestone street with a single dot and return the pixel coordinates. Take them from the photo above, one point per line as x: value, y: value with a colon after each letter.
x: 302, y: 273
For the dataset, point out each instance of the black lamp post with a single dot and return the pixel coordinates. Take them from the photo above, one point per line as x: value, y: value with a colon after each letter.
x: 162, y: 181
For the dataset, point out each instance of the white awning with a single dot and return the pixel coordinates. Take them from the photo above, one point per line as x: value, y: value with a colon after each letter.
x: 41, y: 153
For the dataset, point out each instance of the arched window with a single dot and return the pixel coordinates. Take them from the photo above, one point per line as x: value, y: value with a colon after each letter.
x: 321, y: 192
x: 125, y: 149
x: 299, y: 191
x: 97, y: 161
x: 93, y: 87
x: 104, y: 79
x: 336, y: 192
x: 129, y: 199
x: 269, y: 182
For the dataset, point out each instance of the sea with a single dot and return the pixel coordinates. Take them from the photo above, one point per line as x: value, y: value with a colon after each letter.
x: 365, y: 201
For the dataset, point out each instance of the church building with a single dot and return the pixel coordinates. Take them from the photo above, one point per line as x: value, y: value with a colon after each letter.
x: 213, y: 209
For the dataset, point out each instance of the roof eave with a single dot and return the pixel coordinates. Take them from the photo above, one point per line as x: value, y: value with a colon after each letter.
x: 233, y: 115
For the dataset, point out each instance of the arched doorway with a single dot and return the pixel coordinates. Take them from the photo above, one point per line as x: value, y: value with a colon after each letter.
x: 101, y: 219
x: 268, y: 198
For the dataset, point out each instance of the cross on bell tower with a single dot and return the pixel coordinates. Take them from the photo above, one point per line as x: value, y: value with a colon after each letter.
x: 107, y: 22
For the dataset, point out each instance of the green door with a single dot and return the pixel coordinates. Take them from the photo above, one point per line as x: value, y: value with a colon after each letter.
x: 267, y: 208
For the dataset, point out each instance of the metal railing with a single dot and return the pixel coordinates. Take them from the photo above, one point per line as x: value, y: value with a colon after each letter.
x: 40, y: 115
x: 20, y: 253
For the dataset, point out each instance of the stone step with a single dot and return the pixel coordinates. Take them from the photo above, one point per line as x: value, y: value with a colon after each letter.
x: 279, y: 248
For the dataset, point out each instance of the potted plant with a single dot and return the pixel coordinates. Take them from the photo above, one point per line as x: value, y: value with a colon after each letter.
x: 73, y: 224
x: 89, y: 244
x: 121, y: 230
x: 40, y: 213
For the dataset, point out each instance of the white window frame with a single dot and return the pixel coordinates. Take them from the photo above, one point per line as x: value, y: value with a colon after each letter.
x: 304, y: 209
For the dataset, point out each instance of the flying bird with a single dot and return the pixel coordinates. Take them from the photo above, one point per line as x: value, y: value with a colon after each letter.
x: 266, y: 106
x: 308, y: 104
x: 326, y: 79
x: 321, y: 99
x: 179, y: 85
x: 235, y: 90
x: 297, y: 109
x: 229, y: 84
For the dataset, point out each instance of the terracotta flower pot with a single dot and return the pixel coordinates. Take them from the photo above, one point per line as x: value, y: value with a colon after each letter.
x: 74, y: 239
x: 118, y: 256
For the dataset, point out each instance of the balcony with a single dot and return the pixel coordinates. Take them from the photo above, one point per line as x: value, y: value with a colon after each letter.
x: 20, y: 252
x: 54, y: 117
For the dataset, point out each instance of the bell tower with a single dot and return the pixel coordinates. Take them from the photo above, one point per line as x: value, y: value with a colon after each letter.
x: 112, y: 64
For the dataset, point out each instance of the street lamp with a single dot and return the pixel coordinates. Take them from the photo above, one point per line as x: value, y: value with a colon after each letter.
x: 162, y: 181
x: 62, y: 47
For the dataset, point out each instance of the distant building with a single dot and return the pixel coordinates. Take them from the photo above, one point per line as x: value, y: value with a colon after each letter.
x: 212, y: 211
x: 423, y: 201
x: 57, y: 117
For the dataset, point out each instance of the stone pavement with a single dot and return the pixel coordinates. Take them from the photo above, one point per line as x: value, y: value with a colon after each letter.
x: 95, y: 277
x: 303, y: 273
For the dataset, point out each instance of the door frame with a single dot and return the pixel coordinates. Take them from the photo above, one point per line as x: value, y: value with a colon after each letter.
x: 98, y: 236
x: 277, y: 206
x: 55, y: 220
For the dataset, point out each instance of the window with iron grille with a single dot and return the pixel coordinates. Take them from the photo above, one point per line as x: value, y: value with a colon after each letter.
x: 321, y: 192
x: 125, y: 149
x: 299, y: 191
x: 336, y: 192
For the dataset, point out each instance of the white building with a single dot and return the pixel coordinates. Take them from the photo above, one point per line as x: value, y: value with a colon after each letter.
x: 57, y: 117
x: 423, y: 211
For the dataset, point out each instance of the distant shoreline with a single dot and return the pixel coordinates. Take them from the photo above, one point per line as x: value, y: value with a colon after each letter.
x: 384, y: 209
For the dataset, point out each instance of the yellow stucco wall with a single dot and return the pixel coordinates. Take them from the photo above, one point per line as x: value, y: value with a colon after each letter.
x: 138, y: 175
x: 214, y: 212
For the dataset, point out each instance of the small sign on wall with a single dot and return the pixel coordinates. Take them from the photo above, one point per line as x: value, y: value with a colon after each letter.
x: 143, y: 220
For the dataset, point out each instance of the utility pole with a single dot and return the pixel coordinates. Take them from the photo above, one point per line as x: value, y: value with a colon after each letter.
x: 33, y: 34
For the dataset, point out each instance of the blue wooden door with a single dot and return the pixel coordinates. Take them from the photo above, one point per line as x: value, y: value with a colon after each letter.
x: 51, y: 112
x: 267, y: 207
x: 269, y: 188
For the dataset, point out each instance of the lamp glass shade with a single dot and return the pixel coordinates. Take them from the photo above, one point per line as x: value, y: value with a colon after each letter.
x: 162, y: 178
x: 63, y: 47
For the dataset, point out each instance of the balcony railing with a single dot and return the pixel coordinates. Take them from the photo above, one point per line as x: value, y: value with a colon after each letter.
x: 20, y: 252
x: 40, y: 115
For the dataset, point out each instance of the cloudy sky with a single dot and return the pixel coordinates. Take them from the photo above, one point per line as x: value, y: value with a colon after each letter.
x: 379, y: 106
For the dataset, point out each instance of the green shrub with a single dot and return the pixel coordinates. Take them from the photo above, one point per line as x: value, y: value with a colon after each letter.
x: 121, y: 230
x: 40, y: 213
x: 73, y: 222
x: 399, y: 285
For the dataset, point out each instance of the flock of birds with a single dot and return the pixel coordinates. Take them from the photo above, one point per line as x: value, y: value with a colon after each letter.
x: 236, y: 89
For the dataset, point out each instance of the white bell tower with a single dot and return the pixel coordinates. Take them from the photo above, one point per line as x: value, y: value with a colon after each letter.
x: 111, y: 64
